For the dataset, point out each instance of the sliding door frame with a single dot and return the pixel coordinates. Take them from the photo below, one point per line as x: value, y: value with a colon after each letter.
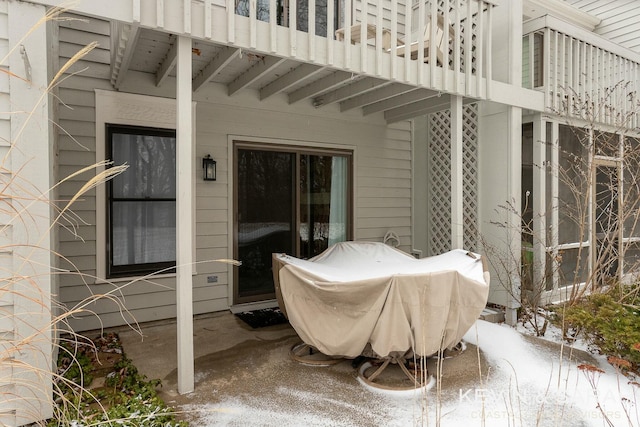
x: 299, y: 148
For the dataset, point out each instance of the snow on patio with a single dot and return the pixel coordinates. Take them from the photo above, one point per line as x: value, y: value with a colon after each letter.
x: 525, y: 382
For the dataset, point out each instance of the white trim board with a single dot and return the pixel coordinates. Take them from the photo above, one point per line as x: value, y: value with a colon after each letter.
x: 136, y: 110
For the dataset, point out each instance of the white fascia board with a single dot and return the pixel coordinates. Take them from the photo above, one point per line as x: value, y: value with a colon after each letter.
x: 563, y: 10
x: 120, y: 10
x: 516, y: 96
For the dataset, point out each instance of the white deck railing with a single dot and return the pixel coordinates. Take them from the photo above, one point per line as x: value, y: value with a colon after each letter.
x: 392, y: 39
x: 389, y: 39
x: 582, y: 75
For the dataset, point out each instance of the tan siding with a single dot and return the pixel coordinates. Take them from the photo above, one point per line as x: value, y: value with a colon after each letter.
x: 78, y: 97
x: 205, y: 300
x: 84, y: 263
x: 78, y: 158
x: 75, y: 248
x: 378, y: 202
x: 212, y: 241
x: 85, y: 203
x: 77, y: 149
x: 78, y: 113
x: 78, y: 128
x: 157, y: 312
x: 382, y: 199
x: 213, y: 202
x: 88, y: 232
x: 86, y: 84
x: 83, y: 38
x: 98, y: 55
x: 382, y: 193
x: 385, y: 173
x: 77, y: 143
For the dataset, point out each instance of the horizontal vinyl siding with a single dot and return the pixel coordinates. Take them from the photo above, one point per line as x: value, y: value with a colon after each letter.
x: 382, y: 199
x: 383, y: 162
x: 384, y: 187
x: 620, y: 20
x: 76, y: 148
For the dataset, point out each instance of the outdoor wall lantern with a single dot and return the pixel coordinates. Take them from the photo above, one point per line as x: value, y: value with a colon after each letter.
x: 209, y: 168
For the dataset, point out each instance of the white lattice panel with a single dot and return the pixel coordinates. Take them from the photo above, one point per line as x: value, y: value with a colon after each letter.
x: 470, y: 175
x: 439, y: 210
x: 439, y: 179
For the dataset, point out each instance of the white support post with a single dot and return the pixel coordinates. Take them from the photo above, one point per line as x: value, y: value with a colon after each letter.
x: 514, y: 163
x: 184, y: 207
x: 28, y: 278
x: 538, y: 201
x: 514, y: 234
x: 555, y: 201
x: 457, y: 219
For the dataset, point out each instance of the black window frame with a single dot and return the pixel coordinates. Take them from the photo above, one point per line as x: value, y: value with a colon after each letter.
x: 131, y: 270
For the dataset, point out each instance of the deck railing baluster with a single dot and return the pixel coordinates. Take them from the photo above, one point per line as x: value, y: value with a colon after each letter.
x: 347, y: 34
x: 273, y: 26
x: 393, y: 63
x: 231, y: 21
x: 331, y: 14
x: 311, y: 29
x: 407, y: 39
x: 480, y: 50
x: 444, y: 45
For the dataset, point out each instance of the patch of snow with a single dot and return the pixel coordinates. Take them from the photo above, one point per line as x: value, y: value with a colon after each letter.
x: 526, y: 384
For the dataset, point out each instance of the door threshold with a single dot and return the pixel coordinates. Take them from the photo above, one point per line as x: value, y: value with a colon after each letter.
x: 250, y: 306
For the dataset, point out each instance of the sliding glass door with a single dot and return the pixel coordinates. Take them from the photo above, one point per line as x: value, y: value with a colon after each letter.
x: 293, y: 201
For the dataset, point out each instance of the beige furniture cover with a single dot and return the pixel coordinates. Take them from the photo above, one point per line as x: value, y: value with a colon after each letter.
x: 358, y: 296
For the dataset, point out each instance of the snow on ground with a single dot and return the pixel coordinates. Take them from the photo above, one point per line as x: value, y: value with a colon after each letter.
x: 527, y: 384
x: 530, y: 383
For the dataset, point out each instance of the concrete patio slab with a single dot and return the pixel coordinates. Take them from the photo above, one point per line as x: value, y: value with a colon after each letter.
x: 245, y: 376
x: 235, y: 363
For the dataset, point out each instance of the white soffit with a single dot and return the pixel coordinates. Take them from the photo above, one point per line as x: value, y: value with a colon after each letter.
x: 559, y: 9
